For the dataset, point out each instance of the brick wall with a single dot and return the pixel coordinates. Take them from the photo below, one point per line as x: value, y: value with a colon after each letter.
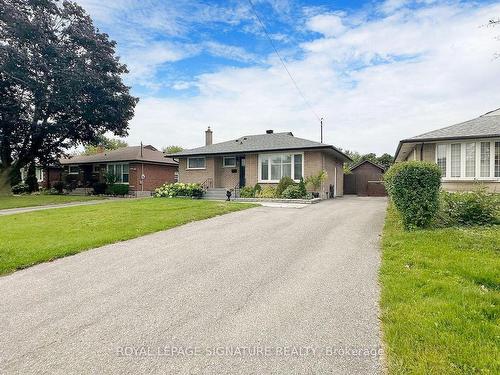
x: 251, y: 169
x: 196, y: 175
x: 156, y: 175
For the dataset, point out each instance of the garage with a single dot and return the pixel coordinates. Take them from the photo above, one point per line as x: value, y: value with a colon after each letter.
x: 365, y: 179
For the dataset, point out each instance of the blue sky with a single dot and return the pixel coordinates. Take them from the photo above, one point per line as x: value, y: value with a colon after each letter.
x: 376, y: 71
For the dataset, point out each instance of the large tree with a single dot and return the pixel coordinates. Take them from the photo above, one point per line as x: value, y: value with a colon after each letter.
x: 104, y: 144
x: 60, y: 82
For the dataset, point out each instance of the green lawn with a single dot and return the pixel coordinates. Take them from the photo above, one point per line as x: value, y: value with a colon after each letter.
x: 30, y: 238
x: 440, y: 299
x: 11, y: 201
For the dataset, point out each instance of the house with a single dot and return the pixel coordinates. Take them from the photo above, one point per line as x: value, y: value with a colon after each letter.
x: 466, y: 152
x: 143, y: 168
x: 263, y: 159
x: 365, y: 179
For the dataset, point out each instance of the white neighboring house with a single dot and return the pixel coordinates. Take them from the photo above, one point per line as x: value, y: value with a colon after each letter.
x: 467, y: 152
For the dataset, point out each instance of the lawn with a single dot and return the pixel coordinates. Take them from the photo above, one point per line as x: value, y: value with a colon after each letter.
x: 30, y: 238
x: 11, y: 201
x: 440, y: 299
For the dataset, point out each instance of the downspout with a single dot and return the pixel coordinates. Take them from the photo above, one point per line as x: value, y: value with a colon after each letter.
x: 422, y: 152
x: 335, y: 184
x: 142, y: 174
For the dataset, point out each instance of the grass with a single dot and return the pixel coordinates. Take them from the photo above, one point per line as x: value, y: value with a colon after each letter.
x: 440, y: 299
x: 12, y: 201
x: 30, y: 238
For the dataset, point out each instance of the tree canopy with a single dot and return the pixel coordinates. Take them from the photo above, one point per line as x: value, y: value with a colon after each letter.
x: 172, y: 149
x: 384, y: 160
x: 60, y: 82
x: 104, y: 144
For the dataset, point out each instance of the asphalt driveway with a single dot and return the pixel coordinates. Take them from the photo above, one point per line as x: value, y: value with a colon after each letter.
x: 267, y: 290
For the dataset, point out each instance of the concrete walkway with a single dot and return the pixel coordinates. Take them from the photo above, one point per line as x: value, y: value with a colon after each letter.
x: 261, y: 291
x: 20, y: 210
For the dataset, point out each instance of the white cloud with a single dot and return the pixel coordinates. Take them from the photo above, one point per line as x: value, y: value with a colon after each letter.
x: 376, y: 83
x: 329, y: 25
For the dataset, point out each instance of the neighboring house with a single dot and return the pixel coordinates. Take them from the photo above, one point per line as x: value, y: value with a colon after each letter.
x: 365, y: 179
x: 143, y: 168
x: 264, y: 159
x: 465, y: 152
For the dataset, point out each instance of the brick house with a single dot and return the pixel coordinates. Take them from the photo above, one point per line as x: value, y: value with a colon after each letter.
x: 263, y: 159
x: 142, y: 168
x: 467, y: 152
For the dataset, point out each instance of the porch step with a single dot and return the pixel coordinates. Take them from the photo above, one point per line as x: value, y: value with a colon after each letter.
x: 215, y: 193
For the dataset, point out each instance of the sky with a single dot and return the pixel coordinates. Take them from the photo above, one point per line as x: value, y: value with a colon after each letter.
x: 377, y: 72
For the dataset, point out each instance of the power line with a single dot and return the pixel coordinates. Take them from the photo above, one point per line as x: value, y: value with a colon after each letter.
x: 281, y: 59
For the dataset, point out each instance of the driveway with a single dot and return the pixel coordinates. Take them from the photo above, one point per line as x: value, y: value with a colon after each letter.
x: 267, y: 290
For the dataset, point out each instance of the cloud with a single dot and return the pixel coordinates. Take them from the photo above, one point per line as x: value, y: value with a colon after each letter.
x: 378, y: 81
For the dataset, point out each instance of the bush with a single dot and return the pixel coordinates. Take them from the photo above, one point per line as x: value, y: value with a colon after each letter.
x: 414, y: 188
x: 302, y: 187
x: 283, y: 184
x: 257, y: 188
x: 179, y: 189
x: 99, y: 188
x: 315, y: 181
x: 20, y: 188
x: 118, y: 189
x: 58, y: 186
x: 71, y: 181
x: 293, y: 192
x: 267, y: 192
x: 247, y: 192
x: 468, y: 208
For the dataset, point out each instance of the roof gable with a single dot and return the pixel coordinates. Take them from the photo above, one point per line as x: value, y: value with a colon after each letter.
x: 131, y: 153
x: 359, y: 164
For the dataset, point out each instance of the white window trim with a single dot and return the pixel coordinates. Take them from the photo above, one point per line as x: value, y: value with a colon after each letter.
x: 74, y: 165
x: 268, y: 156
x: 462, y: 177
x: 196, y: 157
x: 228, y: 166
x: 122, y: 164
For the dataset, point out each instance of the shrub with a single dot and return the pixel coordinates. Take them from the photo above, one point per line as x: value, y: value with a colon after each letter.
x: 257, y: 188
x: 267, y: 192
x: 32, y: 183
x: 58, y: 186
x: 293, y: 192
x: 414, y: 188
x: 179, y: 189
x: 302, y: 187
x: 468, y: 208
x: 70, y: 181
x: 247, y: 192
x: 20, y: 188
x: 118, y: 189
x: 283, y: 184
x: 99, y: 188
x: 315, y: 181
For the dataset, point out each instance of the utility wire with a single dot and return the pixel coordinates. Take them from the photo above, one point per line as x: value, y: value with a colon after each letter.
x: 252, y: 6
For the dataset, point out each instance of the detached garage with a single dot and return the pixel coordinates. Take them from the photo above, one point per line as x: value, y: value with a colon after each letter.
x: 365, y: 179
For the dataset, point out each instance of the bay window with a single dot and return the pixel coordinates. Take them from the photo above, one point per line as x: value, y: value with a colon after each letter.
x: 456, y: 151
x: 469, y: 160
x: 120, y: 171
x: 273, y: 167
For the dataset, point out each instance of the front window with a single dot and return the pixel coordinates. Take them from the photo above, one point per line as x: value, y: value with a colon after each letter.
x: 39, y: 174
x: 441, y: 159
x: 470, y: 160
x: 196, y: 163
x: 497, y: 159
x: 274, y: 167
x: 456, y: 166
x: 229, y: 161
x: 485, y: 160
x: 73, y: 169
x: 120, y: 171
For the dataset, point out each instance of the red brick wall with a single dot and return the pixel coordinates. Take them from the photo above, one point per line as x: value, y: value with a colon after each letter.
x: 51, y: 175
x: 156, y: 175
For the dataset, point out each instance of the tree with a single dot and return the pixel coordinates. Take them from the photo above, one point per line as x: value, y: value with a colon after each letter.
x: 60, y: 82
x: 385, y: 160
x: 104, y: 144
x: 172, y: 149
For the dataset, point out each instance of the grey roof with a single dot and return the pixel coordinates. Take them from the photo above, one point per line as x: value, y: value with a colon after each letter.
x: 487, y: 125
x: 132, y: 153
x: 484, y: 126
x: 260, y: 143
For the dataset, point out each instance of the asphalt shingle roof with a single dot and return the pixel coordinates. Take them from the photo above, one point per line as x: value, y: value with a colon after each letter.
x: 258, y: 143
x: 487, y: 125
x: 132, y: 153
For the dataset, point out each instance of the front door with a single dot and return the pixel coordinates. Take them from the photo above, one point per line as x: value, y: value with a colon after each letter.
x: 242, y: 171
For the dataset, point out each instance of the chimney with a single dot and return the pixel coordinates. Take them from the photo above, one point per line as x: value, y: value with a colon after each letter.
x: 270, y: 131
x: 208, y: 137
